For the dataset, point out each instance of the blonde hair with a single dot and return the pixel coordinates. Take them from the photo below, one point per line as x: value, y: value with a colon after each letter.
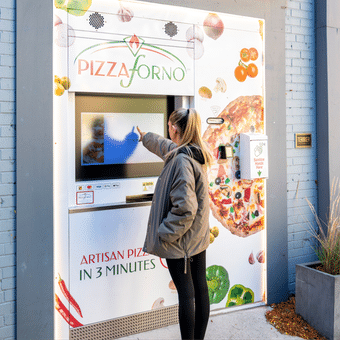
x: 188, y: 123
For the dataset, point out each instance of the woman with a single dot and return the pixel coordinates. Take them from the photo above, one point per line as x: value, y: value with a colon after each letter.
x: 178, y: 227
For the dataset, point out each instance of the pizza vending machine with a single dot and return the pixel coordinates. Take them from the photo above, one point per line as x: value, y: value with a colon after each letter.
x: 119, y: 65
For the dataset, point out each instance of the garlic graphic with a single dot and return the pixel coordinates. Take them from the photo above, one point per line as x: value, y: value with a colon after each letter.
x: 251, y: 258
x: 124, y: 14
x: 260, y: 257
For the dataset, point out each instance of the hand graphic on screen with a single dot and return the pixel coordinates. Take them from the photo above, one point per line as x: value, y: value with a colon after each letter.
x: 118, y: 151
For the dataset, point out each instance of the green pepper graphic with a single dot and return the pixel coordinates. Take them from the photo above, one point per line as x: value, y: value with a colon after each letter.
x: 218, y: 283
x: 239, y: 295
x: 74, y: 7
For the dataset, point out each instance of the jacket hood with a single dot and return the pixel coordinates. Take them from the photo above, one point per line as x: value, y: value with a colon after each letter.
x: 195, y: 153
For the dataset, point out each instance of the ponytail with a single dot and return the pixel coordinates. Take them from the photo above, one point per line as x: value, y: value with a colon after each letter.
x: 188, y: 122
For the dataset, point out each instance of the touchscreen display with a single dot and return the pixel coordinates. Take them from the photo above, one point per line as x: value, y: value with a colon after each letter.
x: 112, y: 138
x: 107, y: 140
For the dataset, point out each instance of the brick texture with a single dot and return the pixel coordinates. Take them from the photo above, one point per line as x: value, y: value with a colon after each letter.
x: 301, y: 118
x: 7, y: 169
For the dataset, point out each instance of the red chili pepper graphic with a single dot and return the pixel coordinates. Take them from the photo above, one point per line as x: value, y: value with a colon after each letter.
x: 65, y: 313
x: 68, y: 295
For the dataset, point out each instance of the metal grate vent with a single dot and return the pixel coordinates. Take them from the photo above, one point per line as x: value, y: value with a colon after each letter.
x: 171, y: 29
x: 96, y: 20
x: 127, y: 325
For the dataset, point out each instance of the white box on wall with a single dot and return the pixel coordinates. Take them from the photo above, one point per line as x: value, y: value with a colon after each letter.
x: 253, y: 155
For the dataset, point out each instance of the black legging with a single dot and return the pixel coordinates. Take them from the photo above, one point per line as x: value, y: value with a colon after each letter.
x: 193, y: 297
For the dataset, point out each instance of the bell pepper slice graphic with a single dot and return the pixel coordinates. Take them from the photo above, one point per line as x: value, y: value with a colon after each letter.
x: 239, y: 295
x: 218, y: 283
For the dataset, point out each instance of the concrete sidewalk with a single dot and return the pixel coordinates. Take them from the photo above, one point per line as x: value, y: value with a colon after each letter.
x: 235, y: 325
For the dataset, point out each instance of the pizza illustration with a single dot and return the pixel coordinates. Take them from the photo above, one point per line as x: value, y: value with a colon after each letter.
x: 238, y: 204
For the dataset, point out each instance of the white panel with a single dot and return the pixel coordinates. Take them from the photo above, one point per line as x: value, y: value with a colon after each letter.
x: 110, y: 275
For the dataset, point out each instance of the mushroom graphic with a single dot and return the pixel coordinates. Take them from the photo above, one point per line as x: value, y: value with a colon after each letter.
x: 159, y: 303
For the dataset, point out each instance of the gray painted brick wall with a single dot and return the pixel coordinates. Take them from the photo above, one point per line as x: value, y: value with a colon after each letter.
x: 301, y: 115
x: 7, y: 169
x: 301, y: 118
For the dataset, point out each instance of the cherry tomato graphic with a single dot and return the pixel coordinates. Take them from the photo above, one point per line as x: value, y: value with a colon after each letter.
x: 253, y: 54
x: 252, y: 70
x: 244, y: 54
x: 240, y: 73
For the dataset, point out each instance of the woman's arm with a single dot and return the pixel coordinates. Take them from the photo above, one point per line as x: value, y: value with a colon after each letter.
x: 155, y: 143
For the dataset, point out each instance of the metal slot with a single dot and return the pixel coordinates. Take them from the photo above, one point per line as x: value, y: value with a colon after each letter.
x: 139, y: 198
x: 215, y: 120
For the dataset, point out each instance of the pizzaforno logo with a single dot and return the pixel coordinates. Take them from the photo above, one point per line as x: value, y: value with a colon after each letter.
x: 128, y: 59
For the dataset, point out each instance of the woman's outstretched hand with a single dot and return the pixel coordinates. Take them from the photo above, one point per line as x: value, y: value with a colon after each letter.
x: 141, y: 134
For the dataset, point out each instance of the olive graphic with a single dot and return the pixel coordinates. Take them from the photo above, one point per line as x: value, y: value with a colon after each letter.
x: 238, y: 195
x: 218, y: 181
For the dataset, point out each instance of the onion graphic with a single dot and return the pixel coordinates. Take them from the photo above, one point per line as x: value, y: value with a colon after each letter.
x: 194, y: 32
x: 195, y: 39
x: 213, y: 26
x: 195, y: 49
x: 61, y: 31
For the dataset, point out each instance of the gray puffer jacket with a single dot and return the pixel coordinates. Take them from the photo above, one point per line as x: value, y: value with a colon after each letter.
x: 178, y: 224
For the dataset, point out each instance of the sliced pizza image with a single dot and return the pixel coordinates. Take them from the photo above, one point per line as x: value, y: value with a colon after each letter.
x: 238, y: 204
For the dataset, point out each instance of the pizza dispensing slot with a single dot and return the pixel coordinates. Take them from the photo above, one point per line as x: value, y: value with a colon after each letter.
x: 253, y: 155
x: 139, y: 198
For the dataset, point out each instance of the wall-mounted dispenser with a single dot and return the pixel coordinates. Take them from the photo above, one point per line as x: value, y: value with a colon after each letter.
x: 253, y: 155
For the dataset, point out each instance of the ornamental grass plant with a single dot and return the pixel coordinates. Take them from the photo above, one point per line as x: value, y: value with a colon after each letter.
x: 327, y: 238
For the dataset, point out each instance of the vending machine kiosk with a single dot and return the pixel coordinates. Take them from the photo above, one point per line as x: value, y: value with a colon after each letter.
x: 108, y: 212
x: 119, y: 65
